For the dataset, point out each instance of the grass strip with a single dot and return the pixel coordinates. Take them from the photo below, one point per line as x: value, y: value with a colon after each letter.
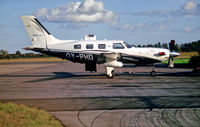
x: 13, y: 115
x: 178, y: 61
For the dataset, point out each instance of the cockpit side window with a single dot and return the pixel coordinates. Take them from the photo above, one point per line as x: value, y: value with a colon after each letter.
x: 89, y: 46
x: 118, y: 46
x: 127, y: 45
x: 101, y: 46
x: 77, y: 46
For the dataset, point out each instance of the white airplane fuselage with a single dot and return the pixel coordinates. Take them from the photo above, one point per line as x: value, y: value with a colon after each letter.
x: 89, y: 48
x: 111, y: 53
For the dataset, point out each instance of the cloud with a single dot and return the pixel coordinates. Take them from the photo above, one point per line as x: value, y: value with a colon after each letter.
x: 191, y: 30
x: 190, y: 8
x: 88, y: 11
x: 126, y: 27
x: 190, y: 5
x: 187, y: 29
x: 157, y: 26
x: 152, y: 13
x: 72, y: 25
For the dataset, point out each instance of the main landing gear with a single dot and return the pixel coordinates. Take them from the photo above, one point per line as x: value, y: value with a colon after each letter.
x: 110, y: 72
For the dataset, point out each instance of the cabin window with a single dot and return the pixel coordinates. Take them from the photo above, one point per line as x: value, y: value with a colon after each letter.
x: 89, y: 46
x: 77, y: 46
x: 101, y: 46
x: 118, y: 46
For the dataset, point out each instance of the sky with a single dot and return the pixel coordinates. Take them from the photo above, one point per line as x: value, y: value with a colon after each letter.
x: 134, y: 21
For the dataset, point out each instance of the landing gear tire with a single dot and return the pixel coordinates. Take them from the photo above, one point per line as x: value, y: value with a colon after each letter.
x: 111, y: 75
x: 153, y: 73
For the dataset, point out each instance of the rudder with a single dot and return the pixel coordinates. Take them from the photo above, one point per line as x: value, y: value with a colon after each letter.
x: 38, y: 34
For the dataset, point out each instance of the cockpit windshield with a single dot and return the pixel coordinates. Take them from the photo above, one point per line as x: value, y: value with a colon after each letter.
x: 127, y: 45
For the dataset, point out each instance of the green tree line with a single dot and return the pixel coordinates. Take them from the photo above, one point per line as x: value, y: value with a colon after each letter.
x: 185, y: 47
x: 5, y: 55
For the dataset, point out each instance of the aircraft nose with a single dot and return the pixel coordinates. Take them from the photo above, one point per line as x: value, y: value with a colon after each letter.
x: 174, y: 54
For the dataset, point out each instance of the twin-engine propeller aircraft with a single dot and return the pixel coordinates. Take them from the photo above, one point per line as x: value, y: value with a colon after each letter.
x: 111, y: 53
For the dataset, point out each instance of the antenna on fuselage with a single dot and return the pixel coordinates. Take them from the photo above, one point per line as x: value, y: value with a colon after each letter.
x: 90, y: 37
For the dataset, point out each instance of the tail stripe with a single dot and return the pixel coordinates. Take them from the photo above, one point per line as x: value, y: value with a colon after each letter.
x: 38, y: 23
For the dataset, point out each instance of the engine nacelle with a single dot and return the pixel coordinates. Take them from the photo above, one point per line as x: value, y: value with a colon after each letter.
x: 114, y: 63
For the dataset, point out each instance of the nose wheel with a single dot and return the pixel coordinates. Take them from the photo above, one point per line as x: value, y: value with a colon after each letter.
x: 153, y: 73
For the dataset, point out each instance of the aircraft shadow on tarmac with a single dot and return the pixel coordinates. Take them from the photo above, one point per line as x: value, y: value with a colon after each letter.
x: 65, y: 75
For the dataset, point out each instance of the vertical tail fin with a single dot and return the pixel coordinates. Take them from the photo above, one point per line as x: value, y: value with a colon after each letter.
x: 38, y: 34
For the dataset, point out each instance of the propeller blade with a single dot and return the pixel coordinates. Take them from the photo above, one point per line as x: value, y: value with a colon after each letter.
x: 171, y: 45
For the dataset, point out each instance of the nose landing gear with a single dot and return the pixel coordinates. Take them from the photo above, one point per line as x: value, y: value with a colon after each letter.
x: 153, y: 73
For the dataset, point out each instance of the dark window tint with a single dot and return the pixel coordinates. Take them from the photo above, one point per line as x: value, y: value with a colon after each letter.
x: 101, y: 46
x: 118, y: 46
x: 77, y: 46
x: 89, y: 46
x: 127, y: 45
